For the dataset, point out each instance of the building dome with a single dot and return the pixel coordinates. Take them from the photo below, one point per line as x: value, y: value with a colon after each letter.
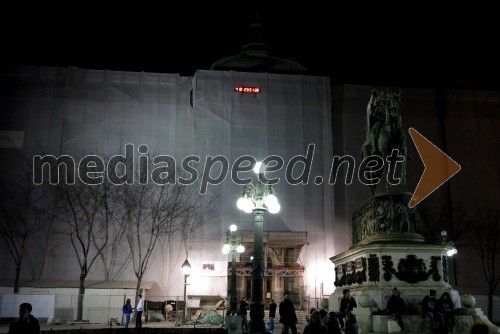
x: 256, y: 57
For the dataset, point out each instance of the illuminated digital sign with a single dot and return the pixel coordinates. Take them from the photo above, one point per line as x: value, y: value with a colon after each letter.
x: 249, y: 90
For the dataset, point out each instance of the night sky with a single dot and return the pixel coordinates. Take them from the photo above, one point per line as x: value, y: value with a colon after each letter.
x: 419, y: 47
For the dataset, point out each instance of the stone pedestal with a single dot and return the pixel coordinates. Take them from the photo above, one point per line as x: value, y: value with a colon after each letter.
x: 375, y: 269
x: 389, y: 252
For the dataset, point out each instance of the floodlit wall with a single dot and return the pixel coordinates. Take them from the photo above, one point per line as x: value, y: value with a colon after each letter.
x: 79, y: 111
x: 48, y: 110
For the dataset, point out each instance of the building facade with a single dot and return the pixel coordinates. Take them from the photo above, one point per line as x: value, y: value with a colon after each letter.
x: 220, y: 115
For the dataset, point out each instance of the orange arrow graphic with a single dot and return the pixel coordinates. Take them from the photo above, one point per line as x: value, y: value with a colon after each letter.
x: 439, y: 168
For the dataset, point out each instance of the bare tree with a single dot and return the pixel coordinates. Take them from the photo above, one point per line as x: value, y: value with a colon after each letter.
x: 485, y: 239
x: 112, y: 256
x: 153, y: 213
x: 86, y: 210
x: 21, y: 214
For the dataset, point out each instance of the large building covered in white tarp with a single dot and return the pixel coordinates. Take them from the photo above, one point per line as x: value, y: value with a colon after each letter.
x: 224, y: 115
x: 77, y: 112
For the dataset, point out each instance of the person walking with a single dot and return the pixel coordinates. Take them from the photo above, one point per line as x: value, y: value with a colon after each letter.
x: 272, y: 315
x: 287, y: 315
x: 139, y: 309
x: 127, y: 309
x: 26, y: 324
x: 243, y: 311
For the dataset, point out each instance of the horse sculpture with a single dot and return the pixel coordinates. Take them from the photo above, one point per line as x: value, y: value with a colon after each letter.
x: 384, y: 130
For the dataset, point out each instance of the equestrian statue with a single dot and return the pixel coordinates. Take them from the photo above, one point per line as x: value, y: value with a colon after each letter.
x: 384, y: 130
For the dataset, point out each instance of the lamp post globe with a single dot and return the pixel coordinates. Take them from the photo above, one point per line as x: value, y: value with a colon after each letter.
x: 444, y: 235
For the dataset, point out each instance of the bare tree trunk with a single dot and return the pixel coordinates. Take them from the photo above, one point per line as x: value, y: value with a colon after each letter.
x: 16, y: 281
x: 138, y: 287
x: 18, y: 264
x: 48, y: 244
x: 490, y: 303
x: 81, y: 294
x: 137, y: 293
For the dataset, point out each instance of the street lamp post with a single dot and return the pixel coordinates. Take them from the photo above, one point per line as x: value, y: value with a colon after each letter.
x: 258, y: 199
x: 234, y: 245
x: 451, y: 249
x: 186, y: 270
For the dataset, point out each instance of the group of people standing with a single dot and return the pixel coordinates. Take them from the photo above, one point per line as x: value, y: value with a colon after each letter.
x: 319, y: 322
x: 286, y: 311
x: 127, y: 311
x: 438, y: 311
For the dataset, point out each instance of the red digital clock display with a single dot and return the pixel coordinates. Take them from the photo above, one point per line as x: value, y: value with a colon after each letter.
x: 249, y: 90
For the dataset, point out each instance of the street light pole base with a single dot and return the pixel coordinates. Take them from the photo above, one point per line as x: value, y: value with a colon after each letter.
x: 233, y: 324
x: 257, y: 327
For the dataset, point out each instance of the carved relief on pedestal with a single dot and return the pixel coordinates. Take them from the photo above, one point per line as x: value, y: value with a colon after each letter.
x: 411, y: 269
x: 373, y: 268
x: 445, y: 269
x: 384, y: 216
x: 387, y: 267
x: 351, y: 272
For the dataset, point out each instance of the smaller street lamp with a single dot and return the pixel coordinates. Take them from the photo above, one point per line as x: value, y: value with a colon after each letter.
x: 233, y: 245
x: 186, y: 270
x: 444, y: 234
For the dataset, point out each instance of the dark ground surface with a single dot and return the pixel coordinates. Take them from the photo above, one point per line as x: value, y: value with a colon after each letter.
x: 149, y: 328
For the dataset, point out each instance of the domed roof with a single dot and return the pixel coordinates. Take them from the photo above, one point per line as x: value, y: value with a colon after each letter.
x: 256, y: 57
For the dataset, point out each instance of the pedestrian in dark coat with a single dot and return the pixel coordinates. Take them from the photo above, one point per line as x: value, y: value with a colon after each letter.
x: 27, y: 324
x: 287, y: 315
x: 272, y: 315
x: 243, y: 311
